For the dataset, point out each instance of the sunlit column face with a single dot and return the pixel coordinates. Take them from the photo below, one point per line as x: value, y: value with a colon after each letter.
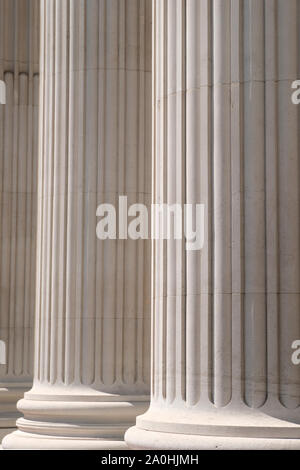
x: 226, y: 323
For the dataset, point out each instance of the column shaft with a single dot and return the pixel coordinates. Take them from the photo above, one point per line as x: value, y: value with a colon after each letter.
x: 223, y: 327
x: 92, y: 355
x: 18, y: 200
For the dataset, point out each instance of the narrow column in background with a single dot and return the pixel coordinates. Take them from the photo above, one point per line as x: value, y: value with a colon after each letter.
x: 92, y: 359
x: 19, y: 21
x: 228, y: 380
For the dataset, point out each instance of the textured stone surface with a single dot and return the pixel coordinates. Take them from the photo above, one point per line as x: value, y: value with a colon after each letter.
x: 226, y: 135
x: 19, y: 22
x: 92, y: 360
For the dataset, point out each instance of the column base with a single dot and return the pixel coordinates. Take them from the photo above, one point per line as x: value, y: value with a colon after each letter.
x: 138, y: 439
x: 5, y: 431
x: 79, y: 422
x: 229, y: 428
x: 19, y: 440
x: 9, y: 396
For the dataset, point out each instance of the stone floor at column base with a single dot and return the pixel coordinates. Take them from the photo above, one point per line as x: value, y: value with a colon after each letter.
x: 139, y: 439
x: 206, y: 427
x: 24, y: 441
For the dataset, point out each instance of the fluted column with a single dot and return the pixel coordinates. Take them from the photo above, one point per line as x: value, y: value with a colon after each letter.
x: 18, y: 200
x: 225, y: 318
x: 92, y: 356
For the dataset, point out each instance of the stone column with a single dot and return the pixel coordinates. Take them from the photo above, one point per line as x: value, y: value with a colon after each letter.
x: 226, y: 135
x: 18, y: 201
x: 92, y: 356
